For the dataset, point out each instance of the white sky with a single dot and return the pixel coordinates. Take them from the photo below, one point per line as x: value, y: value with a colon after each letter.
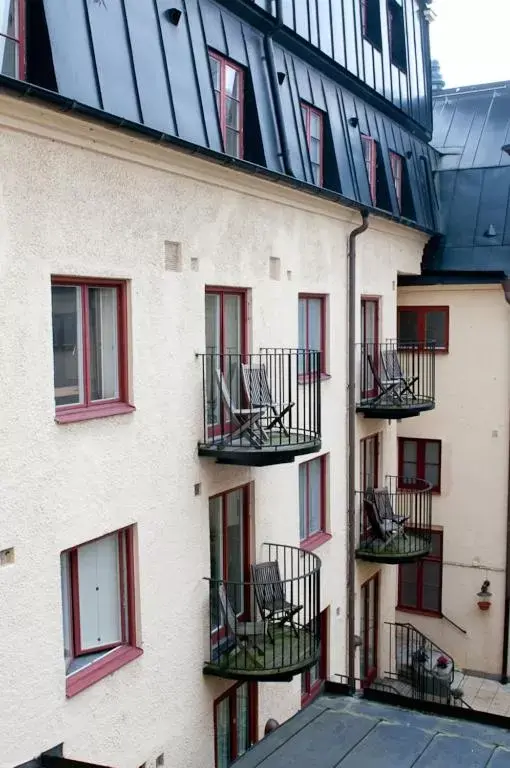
x: 471, y: 40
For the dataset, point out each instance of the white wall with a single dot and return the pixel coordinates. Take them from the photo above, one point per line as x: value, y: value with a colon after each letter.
x: 77, y: 199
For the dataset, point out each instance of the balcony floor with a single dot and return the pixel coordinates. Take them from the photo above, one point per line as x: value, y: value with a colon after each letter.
x: 279, y: 449
x: 395, y: 408
x: 400, y: 549
x: 288, y: 656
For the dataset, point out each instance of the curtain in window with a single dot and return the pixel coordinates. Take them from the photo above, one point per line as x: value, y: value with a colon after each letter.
x: 99, y: 593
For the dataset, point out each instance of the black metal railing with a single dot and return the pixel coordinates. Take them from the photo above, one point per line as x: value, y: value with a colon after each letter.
x: 395, y: 520
x: 267, y: 625
x: 420, y: 668
x: 270, y: 400
x: 396, y: 376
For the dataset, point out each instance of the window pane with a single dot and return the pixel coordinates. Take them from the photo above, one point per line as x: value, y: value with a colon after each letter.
x: 435, y: 550
x: 67, y: 344
x: 104, y: 350
x: 432, y: 474
x: 435, y: 327
x: 407, y: 327
x: 316, y: 171
x: 9, y: 53
x: 232, y: 143
x: 232, y: 113
x: 243, y: 719
x: 315, y: 125
x: 65, y: 573
x: 232, y: 78
x: 410, y: 450
x: 302, y: 502
x: 408, y: 585
x: 232, y: 322
x: 314, y: 673
x: 9, y: 17
x: 223, y: 733
x: 216, y: 553
x: 212, y: 347
x: 215, y: 71
x: 304, y: 112
x: 431, y: 599
x: 315, y: 151
x: 314, y: 495
x: 99, y: 593
x: 235, y: 548
x: 432, y: 453
x: 314, y: 323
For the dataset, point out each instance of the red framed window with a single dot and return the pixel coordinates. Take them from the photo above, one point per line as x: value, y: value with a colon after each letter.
x: 420, y: 584
x: 313, y: 121
x: 369, y: 630
x: 90, y: 363
x: 370, y: 154
x: 425, y: 325
x: 313, y: 679
x: 229, y: 547
x: 228, y: 83
x: 370, y: 341
x: 312, y: 501
x: 419, y: 458
x: 397, y: 35
x: 12, y: 38
x: 312, y: 331
x: 396, y: 162
x: 98, y: 604
x: 235, y: 723
x: 369, y: 462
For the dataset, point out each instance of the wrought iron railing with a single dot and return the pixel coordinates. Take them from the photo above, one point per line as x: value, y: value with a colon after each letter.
x: 395, y: 520
x: 270, y: 400
x: 397, y: 376
x: 267, y: 625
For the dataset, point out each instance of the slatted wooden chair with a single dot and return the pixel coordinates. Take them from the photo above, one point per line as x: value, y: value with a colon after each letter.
x: 384, y: 506
x: 249, y: 635
x: 393, y: 373
x: 270, y: 595
x: 386, y: 390
x: 259, y: 395
x: 383, y: 531
x: 244, y: 422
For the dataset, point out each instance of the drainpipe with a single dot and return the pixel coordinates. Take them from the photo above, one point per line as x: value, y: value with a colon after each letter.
x: 275, y: 92
x: 351, y: 440
x: 506, y: 622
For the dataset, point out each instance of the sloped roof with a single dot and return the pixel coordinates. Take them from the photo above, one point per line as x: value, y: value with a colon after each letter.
x: 343, y: 732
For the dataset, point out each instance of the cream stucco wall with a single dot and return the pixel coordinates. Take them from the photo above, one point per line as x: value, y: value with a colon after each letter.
x: 471, y: 420
x: 78, y: 199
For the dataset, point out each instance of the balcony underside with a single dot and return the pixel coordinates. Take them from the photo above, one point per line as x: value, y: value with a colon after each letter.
x: 279, y: 661
x: 401, y: 408
x: 403, y: 548
x: 278, y: 449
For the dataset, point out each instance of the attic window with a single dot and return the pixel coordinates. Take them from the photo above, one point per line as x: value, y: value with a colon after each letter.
x: 397, y: 35
x: 12, y: 38
x: 371, y: 22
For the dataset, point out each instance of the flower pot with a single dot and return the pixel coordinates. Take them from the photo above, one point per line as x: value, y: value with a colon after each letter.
x: 484, y: 605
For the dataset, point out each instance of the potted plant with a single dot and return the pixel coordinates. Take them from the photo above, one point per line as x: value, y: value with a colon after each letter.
x: 442, y: 664
x: 484, y: 596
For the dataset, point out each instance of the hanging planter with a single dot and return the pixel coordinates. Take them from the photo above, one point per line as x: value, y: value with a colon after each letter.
x: 484, y: 596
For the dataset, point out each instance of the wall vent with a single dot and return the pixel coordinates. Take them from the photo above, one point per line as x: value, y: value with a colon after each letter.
x: 173, y: 256
x: 275, y: 268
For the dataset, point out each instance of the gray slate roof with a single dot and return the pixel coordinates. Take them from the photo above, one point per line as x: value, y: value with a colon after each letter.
x: 344, y: 732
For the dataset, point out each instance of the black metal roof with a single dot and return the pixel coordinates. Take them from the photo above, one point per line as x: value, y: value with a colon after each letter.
x: 343, y: 732
x: 471, y: 125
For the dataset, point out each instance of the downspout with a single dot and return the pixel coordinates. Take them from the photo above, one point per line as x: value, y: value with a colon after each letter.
x: 351, y: 448
x: 273, y: 83
x: 506, y: 622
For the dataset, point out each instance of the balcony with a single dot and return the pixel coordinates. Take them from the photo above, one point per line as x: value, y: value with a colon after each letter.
x: 260, y: 409
x: 396, y: 381
x: 395, y: 521
x: 266, y: 628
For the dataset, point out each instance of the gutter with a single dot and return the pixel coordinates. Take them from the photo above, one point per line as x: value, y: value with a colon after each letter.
x: 505, y: 284
x: 351, y: 448
x: 275, y: 92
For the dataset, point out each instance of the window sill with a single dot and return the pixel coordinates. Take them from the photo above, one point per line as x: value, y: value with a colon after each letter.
x: 420, y: 612
x: 93, y: 412
x: 315, y: 541
x: 102, y: 668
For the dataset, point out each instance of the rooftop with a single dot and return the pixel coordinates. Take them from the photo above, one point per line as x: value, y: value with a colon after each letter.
x: 344, y: 732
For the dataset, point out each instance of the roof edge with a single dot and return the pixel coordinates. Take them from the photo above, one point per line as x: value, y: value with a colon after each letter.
x: 454, y: 277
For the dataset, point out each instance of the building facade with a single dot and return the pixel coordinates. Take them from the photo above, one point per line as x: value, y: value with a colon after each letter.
x: 178, y: 191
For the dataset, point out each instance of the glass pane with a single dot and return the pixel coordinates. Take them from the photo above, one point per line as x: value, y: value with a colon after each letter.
x: 435, y: 550
x: 432, y: 453
x: 369, y: 318
x: 99, y: 593
x: 104, y: 350
x: 369, y: 452
x: 407, y: 327
x: 315, y: 151
x: 232, y: 113
x: 212, y: 347
x: 232, y: 78
x: 410, y: 450
x: 315, y: 495
x: 304, y: 683
x: 9, y: 53
x: 408, y: 472
x: 431, y: 586
x: 216, y: 552
x: 314, y: 673
x: 314, y: 327
x: 232, y: 343
x: 408, y: 585
x: 65, y: 573
x: 315, y: 125
x: 362, y: 630
x: 243, y: 719
x: 432, y: 474
x: 235, y: 548
x: 232, y: 143
x: 304, y: 112
x: 435, y: 327
x: 9, y: 18
x: 371, y: 634
x: 316, y: 172
x: 215, y: 71
x: 302, y: 502
x: 223, y: 758
x: 67, y: 344
x: 302, y: 338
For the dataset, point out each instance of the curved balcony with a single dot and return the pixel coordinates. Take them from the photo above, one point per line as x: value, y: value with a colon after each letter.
x: 267, y: 627
x: 261, y: 409
x: 395, y: 521
x: 396, y: 381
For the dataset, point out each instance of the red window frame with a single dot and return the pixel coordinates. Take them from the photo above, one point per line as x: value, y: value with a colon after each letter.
x: 222, y: 112
x: 421, y: 315
x: 370, y: 154
x: 252, y: 718
x: 307, y: 111
x: 421, y: 444
x: 397, y: 164
x: 304, y: 297
x: 123, y: 652
x: 310, y: 690
x: 370, y: 670
x: 98, y: 408
x: 365, y: 300
x: 420, y: 567
x: 221, y: 292
x: 370, y: 444
x: 20, y: 39
x: 314, y: 539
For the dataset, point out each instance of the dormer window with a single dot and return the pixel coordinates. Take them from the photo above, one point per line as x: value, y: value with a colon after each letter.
x: 397, y: 35
x: 370, y: 155
x: 314, y: 129
x: 396, y: 162
x: 228, y: 82
x: 371, y: 22
x: 12, y: 43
